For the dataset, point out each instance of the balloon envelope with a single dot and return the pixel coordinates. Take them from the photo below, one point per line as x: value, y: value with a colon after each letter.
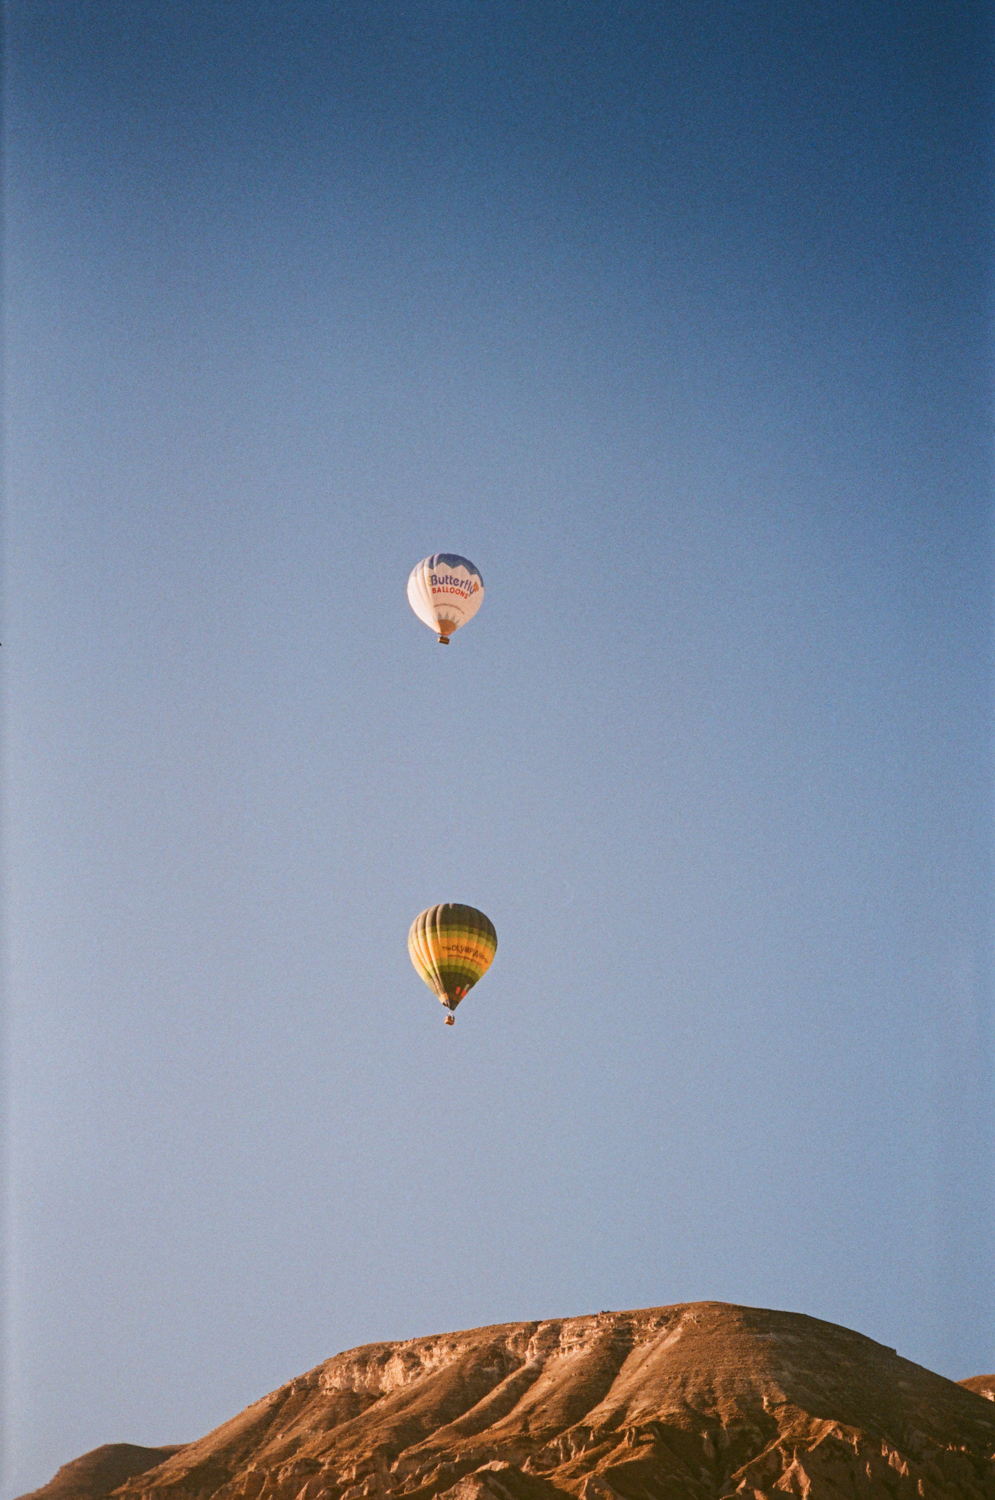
x: 451, y: 947
x: 445, y: 590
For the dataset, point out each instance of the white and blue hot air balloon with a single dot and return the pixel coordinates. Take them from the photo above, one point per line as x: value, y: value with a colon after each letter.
x: 445, y: 591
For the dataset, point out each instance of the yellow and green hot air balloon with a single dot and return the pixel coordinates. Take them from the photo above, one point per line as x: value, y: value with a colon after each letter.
x: 451, y: 947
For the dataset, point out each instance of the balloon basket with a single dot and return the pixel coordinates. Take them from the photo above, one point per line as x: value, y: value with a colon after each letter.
x: 443, y: 640
x: 450, y: 1020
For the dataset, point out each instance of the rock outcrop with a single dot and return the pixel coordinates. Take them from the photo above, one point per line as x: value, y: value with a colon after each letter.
x: 694, y: 1402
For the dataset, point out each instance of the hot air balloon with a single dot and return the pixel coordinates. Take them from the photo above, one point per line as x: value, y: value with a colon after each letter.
x: 445, y: 591
x: 451, y: 947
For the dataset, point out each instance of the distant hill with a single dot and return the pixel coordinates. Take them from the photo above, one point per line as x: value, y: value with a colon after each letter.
x: 693, y: 1402
x: 100, y: 1471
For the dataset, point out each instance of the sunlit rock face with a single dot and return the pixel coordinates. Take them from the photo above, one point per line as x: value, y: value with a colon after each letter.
x: 693, y: 1402
x: 984, y: 1385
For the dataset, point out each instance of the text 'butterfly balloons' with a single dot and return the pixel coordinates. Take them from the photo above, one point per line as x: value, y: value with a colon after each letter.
x: 445, y: 591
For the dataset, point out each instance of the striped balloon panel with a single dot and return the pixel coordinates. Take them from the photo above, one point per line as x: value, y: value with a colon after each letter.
x: 451, y: 947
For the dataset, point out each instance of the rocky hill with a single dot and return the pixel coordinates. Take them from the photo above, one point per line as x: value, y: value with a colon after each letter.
x: 693, y: 1402
x: 98, y: 1473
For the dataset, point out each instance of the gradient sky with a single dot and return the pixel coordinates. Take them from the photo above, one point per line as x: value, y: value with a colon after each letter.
x: 674, y: 318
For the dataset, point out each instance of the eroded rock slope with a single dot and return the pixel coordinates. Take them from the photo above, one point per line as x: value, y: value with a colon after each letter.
x: 693, y: 1402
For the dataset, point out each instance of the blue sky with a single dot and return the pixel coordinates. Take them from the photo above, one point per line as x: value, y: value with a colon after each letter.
x: 675, y: 321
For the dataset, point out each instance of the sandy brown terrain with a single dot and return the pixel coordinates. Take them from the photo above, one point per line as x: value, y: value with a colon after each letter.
x: 692, y: 1402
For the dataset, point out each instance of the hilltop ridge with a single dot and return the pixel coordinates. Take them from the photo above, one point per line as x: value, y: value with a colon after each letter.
x: 696, y: 1401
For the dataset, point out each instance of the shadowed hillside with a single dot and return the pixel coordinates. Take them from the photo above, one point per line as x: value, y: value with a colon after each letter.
x: 98, y: 1473
x: 693, y: 1402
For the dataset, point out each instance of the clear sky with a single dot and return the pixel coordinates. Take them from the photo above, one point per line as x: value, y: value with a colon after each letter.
x: 673, y: 317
